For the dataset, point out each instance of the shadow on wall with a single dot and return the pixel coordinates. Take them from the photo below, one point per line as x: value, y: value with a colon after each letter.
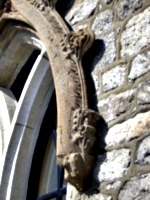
x: 89, y: 61
x: 64, y: 6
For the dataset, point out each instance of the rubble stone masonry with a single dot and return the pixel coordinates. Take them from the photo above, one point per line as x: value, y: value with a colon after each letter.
x: 121, y: 73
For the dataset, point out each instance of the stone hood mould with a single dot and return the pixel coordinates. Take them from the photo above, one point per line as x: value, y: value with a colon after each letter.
x: 76, y: 123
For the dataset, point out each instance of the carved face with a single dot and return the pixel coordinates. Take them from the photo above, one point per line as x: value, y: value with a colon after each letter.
x: 78, y: 166
x: 74, y: 165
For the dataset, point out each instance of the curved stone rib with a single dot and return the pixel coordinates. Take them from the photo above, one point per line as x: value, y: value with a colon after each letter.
x: 76, y: 123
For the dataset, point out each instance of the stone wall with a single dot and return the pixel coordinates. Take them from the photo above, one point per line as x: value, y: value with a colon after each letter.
x: 121, y: 72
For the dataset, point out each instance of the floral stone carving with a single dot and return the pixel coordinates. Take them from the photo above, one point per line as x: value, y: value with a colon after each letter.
x: 76, y: 124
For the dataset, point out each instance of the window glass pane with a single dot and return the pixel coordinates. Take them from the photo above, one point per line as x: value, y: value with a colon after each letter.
x: 48, y: 179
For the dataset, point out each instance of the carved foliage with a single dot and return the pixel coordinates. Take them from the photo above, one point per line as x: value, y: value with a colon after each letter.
x: 45, y: 8
x: 77, y: 42
x: 39, y: 4
x: 74, y: 45
x: 84, y: 130
x: 78, y: 169
x: 79, y: 166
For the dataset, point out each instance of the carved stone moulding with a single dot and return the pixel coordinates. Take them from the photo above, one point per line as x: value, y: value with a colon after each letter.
x: 76, y: 123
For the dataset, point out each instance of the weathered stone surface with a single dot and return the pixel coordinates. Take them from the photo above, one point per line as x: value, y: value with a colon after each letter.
x: 5, y: 75
x: 143, y: 152
x: 81, y: 10
x: 98, y: 197
x: 140, y: 66
x: 96, y: 82
x: 112, y: 165
x: 143, y: 96
x: 139, y: 28
x: 129, y: 129
x: 106, y: 1
x: 115, y: 105
x: 114, y: 185
x: 100, y: 7
x: 137, y: 188
x: 83, y: 26
x: 114, y: 78
x: 74, y: 194
x: 128, y: 7
x: 123, y: 104
x: 101, y: 60
x: 68, y: 48
x: 103, y: 22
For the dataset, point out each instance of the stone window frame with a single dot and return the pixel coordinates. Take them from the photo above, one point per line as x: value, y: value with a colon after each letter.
x: 27, y: 114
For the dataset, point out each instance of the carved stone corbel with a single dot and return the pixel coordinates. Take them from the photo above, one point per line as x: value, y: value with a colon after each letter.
x: 76, y: 124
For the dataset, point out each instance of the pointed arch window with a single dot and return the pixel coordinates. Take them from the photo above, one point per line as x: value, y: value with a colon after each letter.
x: 77, y: 124
x: 25, y: 72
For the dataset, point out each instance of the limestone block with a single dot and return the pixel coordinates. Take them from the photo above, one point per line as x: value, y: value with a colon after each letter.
x: 112, y: 186
x: 100, y: 7
x: 112, y: 165
x: 98, y: 197
x: 106, y: 1
x: 128, y: 7
x: 143, y: 152
x: 139, y: 28
x: 74, y: 194
x: 79, y: 27
x: 81, y: 10
x: 103, y: 22
x: 140, y: 66
x: 143, y: 96
x: 96, y: 83
x: 137, y: 188
x: 130, y: 129
x: 114, y: 78
x: 115, y: 105
x: 110, y: 51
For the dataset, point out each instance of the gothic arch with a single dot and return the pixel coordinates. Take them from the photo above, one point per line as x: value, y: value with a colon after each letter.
x: 28, y: 114
x: 76, y: 124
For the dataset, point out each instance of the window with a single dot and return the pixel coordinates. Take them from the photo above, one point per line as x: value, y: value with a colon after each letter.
x: 46, y: 178
x: 26, y: 74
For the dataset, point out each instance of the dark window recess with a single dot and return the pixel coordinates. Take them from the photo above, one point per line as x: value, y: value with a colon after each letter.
x: 60, y: 191
x: 48, y: 127
x: 19, y: 82
x: 2, y: 4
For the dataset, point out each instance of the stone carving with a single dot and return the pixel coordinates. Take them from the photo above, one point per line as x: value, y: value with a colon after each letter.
x: 78, y: 166
x: 8, y: 8
x: 84, y: 131
x: 76, y: 124
x: 79, y: 42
